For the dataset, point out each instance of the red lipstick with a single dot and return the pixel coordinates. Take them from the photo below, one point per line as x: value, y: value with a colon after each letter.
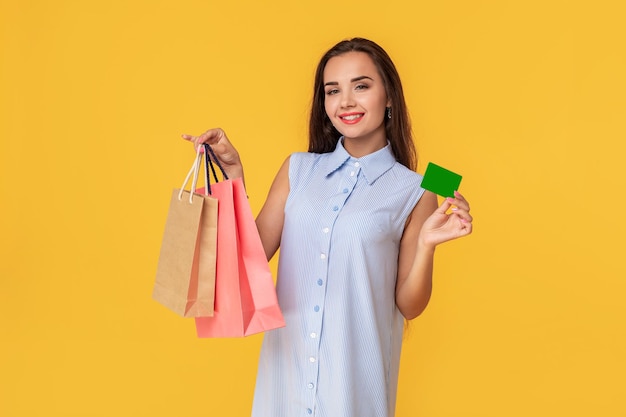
x: 351, y: 118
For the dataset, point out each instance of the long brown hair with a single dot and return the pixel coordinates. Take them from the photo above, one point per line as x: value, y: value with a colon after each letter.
x: 322, y: 134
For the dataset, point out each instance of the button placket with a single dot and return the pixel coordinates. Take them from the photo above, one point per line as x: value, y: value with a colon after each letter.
x: 350, y: 174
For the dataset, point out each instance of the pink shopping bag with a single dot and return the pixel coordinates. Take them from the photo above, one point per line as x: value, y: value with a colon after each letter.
x: 245, y: 295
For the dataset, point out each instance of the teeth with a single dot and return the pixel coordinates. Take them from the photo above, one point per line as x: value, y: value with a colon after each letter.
x: 352, y: 117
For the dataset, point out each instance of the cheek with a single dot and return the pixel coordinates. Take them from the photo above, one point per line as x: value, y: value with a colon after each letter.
x: 382, y: 107
x: 383, y: 103
x: 328, y: 107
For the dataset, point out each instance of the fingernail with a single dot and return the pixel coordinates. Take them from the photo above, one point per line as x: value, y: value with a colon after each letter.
x: 450, y: 200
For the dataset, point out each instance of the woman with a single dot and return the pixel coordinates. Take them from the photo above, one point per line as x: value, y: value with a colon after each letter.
x: 357, y: 235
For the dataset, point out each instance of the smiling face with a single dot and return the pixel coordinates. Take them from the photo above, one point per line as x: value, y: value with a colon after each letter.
x: 355, y: 99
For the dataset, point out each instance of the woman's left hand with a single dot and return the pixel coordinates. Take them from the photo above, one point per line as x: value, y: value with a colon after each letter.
x: 442, y: 225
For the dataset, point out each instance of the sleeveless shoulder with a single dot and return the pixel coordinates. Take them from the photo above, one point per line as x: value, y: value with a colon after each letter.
x: 301, y: 167
x: 304, y: 159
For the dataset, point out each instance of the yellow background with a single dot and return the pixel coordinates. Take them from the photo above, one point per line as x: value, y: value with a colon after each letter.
x: 526, y: 99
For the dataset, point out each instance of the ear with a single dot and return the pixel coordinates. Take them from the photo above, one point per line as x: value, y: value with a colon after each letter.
x: 388, y: 102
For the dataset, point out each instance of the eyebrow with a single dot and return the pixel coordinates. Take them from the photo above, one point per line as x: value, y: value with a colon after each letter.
x: 362, y: 77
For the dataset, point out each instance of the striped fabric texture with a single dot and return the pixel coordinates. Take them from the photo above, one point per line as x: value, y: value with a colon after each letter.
x: 339, y: 354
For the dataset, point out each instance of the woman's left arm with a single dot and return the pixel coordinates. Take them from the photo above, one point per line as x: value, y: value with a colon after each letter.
x: 427, y: 226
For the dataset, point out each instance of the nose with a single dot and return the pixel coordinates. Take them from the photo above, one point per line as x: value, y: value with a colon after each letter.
x: 347, y: 99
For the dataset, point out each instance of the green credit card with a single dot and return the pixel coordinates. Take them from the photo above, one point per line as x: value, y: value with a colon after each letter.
x: 440, y: 180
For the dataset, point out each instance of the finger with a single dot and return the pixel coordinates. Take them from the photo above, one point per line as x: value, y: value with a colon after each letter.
x: 444, y: 206
x: 212, y: 136
x: 469, y: 228
x: 461, y: 200
x: 464, y: 216
x: 466, y: 228
x: 194, y: 140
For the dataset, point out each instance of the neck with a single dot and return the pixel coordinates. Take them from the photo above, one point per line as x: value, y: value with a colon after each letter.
x: 361, y: 146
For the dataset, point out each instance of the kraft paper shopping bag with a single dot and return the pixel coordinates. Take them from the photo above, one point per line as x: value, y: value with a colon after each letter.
x: 185, y: 279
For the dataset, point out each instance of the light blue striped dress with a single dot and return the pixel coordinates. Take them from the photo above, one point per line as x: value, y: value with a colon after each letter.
x: 339, y: 354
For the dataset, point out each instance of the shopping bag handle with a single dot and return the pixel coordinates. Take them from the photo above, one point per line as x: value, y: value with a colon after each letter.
x: 207, y: 164
x: 209, y: 161
x: 194, y: 171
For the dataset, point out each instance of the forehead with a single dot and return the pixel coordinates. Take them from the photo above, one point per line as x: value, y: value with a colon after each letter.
x: 349, y: 65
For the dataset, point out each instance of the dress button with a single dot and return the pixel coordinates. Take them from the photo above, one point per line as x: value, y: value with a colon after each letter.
x: 352, y: 174
x: 356, y: 164
x: 320, y: 282
x: 345, y: 191
x: 335, y: 208
x: 316, y: 308
x: 323, y: 256
x: 312, y: 359
x: 310, y: 385
x: 326, y: 230
x: 309, y: 411
x: 313, y: 335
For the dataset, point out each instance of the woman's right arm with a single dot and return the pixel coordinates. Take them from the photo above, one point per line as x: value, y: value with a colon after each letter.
x: 271, y: 217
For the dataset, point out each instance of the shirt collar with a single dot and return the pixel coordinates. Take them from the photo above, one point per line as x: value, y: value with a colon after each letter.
x: 373, y: 165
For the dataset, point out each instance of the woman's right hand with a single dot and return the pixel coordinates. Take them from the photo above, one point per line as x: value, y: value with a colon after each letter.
x: 223, y: 149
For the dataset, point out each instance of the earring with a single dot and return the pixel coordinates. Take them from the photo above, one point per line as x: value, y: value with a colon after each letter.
x: 388, y: 112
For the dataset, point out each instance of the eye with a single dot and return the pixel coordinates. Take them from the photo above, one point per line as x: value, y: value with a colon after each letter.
x: 361, y: 87
x: 332, y: 91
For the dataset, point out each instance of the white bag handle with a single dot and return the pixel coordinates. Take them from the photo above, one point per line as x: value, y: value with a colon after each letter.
x: 194, y: 170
